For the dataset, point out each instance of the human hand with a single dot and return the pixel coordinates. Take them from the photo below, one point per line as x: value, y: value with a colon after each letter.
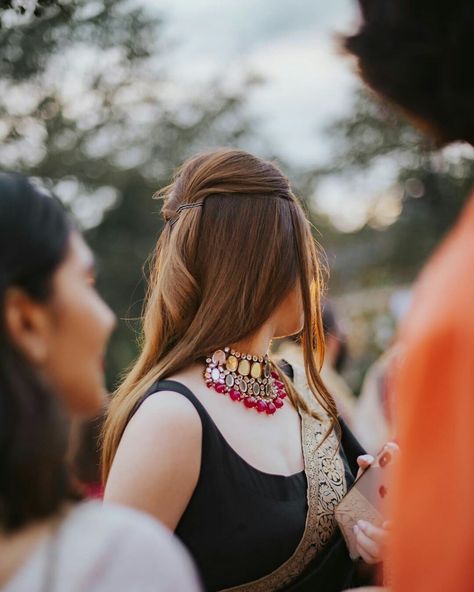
x: 365, y: 460
x: 371, y: 541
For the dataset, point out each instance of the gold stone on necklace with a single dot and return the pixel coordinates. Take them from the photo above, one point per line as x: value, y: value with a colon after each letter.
x: 256, y: 370
x: 232, y: 363
x: 244, y: 367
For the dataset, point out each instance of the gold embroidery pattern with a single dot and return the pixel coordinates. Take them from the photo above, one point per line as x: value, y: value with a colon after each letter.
x: 326, y: 487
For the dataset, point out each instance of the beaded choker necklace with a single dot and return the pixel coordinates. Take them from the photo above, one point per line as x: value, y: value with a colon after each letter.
x: 245, y: 378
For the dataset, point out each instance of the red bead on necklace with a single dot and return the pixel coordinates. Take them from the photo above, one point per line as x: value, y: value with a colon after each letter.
x: 248, y: 379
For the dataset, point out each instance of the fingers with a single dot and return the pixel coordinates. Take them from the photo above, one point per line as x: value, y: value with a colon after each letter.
x: 364, y: 461
x: 365, y: 543
x: 375, y: 533
x: 370, y: 541
x: 363, y: 546
x: 366, y: 557
x: 393, y: 447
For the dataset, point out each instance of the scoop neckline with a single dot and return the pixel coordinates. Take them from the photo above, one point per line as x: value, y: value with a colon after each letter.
x: 276, y: 476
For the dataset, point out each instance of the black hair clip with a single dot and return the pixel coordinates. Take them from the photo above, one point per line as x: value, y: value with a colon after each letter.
x: 186, y: 206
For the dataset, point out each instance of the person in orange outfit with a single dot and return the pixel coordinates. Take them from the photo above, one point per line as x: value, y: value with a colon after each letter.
x: 418, y: 55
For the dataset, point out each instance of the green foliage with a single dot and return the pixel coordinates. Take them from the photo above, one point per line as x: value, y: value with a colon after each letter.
x: 85, y: 102
x: 431, y: 188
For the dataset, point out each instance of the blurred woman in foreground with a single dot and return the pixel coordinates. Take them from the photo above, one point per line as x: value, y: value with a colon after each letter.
x: 418, y: 56
x: 53, y: 333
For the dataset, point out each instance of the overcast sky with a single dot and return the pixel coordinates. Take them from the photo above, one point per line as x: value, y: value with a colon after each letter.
x: 289, y: 42
x: 292, y: 45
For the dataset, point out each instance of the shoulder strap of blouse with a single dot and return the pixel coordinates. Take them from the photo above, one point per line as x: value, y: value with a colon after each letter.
x: 178, y: 387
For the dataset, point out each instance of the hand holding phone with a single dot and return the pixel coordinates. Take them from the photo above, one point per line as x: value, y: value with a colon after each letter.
x: 369, y: 497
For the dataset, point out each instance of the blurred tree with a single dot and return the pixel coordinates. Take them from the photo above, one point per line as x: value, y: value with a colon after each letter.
x: 85, y: 102
x: 403, y: 196
x: 425, y: 190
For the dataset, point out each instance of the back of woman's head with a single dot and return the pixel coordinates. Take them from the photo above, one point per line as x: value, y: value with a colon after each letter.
x: 418, y: 54
x: 34, y: 232
x: 236, y: 242
x: 223, y: 268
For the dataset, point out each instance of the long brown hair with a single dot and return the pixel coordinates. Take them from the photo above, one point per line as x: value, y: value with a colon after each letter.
x: 219, y: 271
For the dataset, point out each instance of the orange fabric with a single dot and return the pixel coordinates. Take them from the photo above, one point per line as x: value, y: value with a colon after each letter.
x: 433, y: 531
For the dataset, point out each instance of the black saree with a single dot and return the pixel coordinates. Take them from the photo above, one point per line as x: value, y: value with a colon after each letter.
x: 333, y: 570
x: 321, y: 561
x: 250, y: 531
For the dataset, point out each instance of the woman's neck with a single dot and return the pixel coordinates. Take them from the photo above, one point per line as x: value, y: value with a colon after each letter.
x: 257, y: 344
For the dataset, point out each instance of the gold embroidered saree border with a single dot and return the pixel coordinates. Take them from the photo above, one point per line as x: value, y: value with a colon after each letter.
x: 326, y: 486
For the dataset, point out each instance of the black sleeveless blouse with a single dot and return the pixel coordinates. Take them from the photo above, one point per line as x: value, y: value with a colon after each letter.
x: 242, y: 523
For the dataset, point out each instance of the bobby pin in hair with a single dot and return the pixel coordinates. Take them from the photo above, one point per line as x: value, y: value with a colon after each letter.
x: 186, y: 206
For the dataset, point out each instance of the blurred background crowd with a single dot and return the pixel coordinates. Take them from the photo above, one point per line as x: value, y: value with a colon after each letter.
x: 102, y: 99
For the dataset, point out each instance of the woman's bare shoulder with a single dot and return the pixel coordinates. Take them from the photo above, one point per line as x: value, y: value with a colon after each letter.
x: 167, y: 408
x: 157, y: 463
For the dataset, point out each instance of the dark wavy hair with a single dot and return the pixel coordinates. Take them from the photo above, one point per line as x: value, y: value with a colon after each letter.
x: 34, y: 479
x: 418, y: 55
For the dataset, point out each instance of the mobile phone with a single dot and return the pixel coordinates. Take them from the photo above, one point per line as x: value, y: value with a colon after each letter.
x: 368, y: 499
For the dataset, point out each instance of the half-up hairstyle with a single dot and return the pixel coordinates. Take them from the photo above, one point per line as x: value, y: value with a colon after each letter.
x: 220, y: 269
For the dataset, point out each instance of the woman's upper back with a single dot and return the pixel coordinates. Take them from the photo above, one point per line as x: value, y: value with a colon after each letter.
x: 241, y: 523
x: 240, y: 516
x: 104, y: 549
x: 270, y: 443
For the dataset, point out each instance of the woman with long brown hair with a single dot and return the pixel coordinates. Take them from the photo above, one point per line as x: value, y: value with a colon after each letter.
x: 238, y: 455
